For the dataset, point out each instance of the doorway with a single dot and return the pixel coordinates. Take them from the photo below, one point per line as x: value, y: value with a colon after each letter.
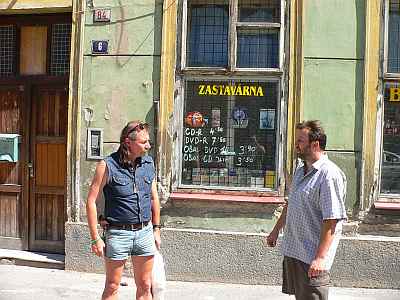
x: 34, y: 105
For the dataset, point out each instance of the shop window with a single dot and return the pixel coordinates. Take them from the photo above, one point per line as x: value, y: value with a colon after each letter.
x: 390, y: 156
x: 390, y: 170
x: 7, y: 50
x: 248, y: 38
x: 229, y: 133
x: 393, y: 37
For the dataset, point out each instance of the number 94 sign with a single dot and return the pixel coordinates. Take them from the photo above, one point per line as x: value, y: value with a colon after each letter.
x: 99, y: 47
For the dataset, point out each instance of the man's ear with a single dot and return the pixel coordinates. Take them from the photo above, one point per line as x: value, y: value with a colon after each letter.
x: 315, y: 146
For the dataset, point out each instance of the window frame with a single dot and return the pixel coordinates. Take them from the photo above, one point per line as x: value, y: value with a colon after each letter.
x: 234, y: 24
x: 47, y: 20
x: 228, y: 73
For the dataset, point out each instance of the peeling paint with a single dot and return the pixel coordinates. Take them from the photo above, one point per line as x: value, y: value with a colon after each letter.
x: 88, y: 112
x: 107, y: 112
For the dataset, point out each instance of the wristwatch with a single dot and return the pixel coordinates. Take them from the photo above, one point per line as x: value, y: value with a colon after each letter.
x: 157, y: 226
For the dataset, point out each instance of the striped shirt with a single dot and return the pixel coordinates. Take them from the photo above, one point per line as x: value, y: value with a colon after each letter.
x: 316, y: 196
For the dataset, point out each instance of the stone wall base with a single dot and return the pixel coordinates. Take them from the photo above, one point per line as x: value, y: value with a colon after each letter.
x: 195, y: 255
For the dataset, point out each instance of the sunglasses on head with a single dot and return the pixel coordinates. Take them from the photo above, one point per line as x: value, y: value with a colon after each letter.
x: 138, y: 127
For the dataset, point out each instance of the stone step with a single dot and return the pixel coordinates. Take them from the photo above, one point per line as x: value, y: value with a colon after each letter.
x: 32, y: 259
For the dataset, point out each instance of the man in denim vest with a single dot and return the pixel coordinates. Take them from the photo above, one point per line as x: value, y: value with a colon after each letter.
x: 312, y: 218
x: 132, y: 211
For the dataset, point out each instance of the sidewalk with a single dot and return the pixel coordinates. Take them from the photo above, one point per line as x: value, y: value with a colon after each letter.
x: 27, y: 283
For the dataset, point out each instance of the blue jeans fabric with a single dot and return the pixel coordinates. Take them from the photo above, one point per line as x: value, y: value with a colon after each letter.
x: 120, y: 244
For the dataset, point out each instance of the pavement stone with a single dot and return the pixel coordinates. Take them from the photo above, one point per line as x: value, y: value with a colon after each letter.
x: 28, y: 283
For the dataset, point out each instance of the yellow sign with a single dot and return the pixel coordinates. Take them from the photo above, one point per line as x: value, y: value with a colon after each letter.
x: 394, y: 94
x: 230, y: 90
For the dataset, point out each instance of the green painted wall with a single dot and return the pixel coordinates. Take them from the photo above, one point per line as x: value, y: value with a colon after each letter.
x: 122, y: 85
x: 333, y: 93
x: 334, y: 28
x: 333, y: 47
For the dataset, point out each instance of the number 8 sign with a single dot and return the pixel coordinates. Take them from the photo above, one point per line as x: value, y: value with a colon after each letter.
x: 99, y: 47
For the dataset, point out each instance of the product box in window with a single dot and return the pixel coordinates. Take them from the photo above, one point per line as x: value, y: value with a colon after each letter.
x: 215, y: 178
x: 196, y: 176
x: 269, y: 179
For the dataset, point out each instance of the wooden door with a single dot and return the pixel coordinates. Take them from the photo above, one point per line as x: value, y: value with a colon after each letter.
x: 48, y: 169
x: 13, y: 191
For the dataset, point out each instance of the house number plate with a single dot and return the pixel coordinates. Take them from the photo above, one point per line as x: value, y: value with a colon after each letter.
x: 99, y: 47
x: 102, y: 15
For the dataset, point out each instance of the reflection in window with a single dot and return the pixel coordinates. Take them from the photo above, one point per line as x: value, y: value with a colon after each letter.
x: 258, y: 48
x: 229, y: 133
x: 259, y: 11
x: 394, y: 37
x: 207, y: 43
x: 390, y: 171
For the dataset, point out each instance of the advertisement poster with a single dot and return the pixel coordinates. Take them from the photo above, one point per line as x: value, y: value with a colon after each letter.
x: 267, y: 118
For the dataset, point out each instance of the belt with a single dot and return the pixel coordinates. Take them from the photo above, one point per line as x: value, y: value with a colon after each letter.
x: 131, y: 227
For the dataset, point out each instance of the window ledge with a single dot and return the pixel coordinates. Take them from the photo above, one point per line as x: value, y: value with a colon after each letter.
x: 177, y: 196
x: 387, y: 205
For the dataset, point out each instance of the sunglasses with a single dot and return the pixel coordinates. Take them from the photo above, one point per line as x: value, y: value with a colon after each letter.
x: 138, y: 127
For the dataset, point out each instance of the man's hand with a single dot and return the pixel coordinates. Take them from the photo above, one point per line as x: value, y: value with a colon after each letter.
x: 316, y: 267
x: 272, y: 238
x: 98, y: 248
x: 157, y: 237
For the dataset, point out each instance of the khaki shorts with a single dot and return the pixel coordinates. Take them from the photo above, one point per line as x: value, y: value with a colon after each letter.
x: 296, y: 281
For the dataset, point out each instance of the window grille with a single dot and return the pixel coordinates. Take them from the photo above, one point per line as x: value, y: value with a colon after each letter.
x: 394, y: 37
x: 60, y: 49
x: 259, y: 11
x: 208, y: 39
x: 229, y: 133
x: 7, y: 50
x: 258, y: 48
x: 255, y: 31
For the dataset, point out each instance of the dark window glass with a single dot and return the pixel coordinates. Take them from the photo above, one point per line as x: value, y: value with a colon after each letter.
x: 394, y: 37
x: 259, y: 11
x: 229, y: 133
x: 60, y: 49
x: 7, y: 50
x: 258, y: 48
x: 390, y: 171
x: 207, y: 43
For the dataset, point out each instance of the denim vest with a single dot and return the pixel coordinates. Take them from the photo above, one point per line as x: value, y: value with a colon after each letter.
x: 128, y: 192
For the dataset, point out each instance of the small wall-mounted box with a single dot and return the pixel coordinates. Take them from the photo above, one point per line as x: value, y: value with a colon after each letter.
x: 9, y: 147
x: 94, y: 143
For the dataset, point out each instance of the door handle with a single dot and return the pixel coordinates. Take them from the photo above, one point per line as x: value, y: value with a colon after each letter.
x: 31, y: 171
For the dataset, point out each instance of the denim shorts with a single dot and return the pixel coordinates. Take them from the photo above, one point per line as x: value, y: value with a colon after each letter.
x: 120, y: 243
